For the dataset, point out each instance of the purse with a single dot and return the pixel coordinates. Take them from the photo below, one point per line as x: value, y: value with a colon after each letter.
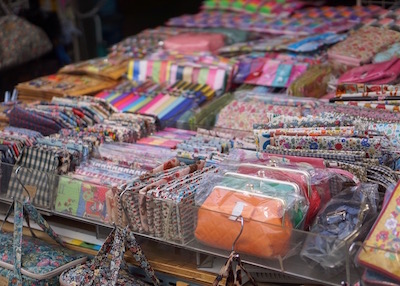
x: 380, y: 251
x: 103, y: 271
x: 380, y: 73
x: 315, y: 194
x: 29, y: 261
x: 267, y: 228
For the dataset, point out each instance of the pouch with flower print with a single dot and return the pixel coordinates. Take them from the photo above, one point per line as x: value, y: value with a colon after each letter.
x: 381, y: 251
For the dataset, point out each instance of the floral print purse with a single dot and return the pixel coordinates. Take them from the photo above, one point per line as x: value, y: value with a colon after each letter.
x: 380, y: 252
x: 29, y: 261
x: 103, y: 271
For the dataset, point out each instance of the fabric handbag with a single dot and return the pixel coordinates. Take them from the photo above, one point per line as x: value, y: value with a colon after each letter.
x: 265, y: 233
x: 36, y: 169
x: 29, y: 261
x: 102, y: 271
x: 20, y: 41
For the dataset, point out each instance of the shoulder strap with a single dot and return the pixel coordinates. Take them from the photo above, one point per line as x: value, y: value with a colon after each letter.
x: 226, y: 271
x: 117, y: 253
x: 104, y: 250
x: 16, y: 278
x: 39, y: 219
x: 139, y: 256
x: 233, y: 279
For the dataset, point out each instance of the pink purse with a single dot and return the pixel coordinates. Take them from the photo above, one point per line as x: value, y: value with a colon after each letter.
x: 192, y: 42
x: 380, y: 73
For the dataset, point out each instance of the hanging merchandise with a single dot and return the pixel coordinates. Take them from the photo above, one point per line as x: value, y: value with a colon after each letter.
x: 111, y: 271
x: 29, y: 260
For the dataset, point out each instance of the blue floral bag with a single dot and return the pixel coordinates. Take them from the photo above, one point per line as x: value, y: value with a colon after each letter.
x: 29, y: 261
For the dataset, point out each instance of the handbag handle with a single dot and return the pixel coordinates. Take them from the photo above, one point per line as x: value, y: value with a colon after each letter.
x: 227, y: 271
x: 116, y: 244
x: 16, y: 278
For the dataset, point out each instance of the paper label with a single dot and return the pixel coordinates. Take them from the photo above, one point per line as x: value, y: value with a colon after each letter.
x: 31, y: 190
x: 180, y: 283
x: 3, y: 281
x: 237, y: 210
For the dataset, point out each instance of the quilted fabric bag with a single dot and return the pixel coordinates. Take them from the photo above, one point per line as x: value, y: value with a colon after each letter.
x: 29, y: 261
x: 111, y: 272
x: 266, y: 231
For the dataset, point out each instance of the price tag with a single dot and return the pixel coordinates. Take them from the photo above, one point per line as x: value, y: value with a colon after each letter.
x: 178, y: 283
x: 3, y: 281
x: 32, y: 191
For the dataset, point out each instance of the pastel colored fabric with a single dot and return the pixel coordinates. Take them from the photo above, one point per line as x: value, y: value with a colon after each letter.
x: 380, y: 250
x: 241, y: 115
x: 391, y: 52
x: 360, y: 47
x: 276, y: 73
x: 191, y: 42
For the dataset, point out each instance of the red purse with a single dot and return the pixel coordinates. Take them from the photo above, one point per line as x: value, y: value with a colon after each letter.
x: 315, y: 193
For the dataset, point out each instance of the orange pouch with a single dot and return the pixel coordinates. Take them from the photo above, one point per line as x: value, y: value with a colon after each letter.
x: 266, y: 231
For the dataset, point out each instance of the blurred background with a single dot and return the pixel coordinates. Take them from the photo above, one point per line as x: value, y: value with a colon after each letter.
x: 80, y: 30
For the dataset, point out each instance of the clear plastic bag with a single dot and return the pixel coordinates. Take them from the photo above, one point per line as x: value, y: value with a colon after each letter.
x: 341, y: 221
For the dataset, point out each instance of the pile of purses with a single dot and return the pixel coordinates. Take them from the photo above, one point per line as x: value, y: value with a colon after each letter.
x: 161, y: 202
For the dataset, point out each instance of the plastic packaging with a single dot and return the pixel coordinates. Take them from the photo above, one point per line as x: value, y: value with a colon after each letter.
x: 342, y: 220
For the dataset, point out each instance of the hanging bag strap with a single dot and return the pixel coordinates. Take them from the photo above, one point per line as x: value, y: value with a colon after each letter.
x: 16, y: 278
x: 39, y: 219
x: 116, y: 244
x: 225, y: 272
x: 233, y: 278
x: 19, y: 207
x: 139, y: 256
